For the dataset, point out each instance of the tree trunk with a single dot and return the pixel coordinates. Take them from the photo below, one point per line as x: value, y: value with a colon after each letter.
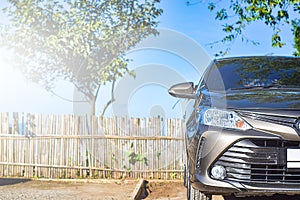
x: 92, y: 104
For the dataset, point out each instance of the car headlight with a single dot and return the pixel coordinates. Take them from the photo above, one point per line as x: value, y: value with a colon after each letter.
x: 223, y: 119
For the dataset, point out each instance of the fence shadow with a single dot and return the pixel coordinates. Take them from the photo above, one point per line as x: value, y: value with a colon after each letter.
x: 12, y: 181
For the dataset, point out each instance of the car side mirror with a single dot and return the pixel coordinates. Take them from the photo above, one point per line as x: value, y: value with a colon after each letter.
x: 183, y: 90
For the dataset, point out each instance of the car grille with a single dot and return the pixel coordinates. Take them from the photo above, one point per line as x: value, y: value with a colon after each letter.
x: 259, y: 161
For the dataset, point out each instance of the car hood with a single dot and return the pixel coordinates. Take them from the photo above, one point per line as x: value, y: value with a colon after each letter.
x: 266, y: 99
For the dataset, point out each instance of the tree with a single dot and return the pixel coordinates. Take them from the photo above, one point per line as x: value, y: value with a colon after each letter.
x: 236, y: 15
x: 83, y: 42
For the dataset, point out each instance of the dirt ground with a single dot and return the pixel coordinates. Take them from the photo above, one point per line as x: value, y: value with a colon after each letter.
x: 169, y: 190
x: 20, y: 189
x: 79, y: 189
x: 88, y: 189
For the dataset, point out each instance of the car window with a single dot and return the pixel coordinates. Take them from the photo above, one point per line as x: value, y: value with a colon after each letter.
x: 237, y: 73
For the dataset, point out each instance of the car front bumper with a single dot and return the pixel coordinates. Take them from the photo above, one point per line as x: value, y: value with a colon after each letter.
x: 255, y: 163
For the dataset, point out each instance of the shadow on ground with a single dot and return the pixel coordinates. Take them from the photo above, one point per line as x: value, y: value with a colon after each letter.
x: 12, y: 181
x: 275, y: 197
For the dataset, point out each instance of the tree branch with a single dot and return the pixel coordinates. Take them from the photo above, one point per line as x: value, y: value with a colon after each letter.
x: 97, y: 91
x: 111, y: 100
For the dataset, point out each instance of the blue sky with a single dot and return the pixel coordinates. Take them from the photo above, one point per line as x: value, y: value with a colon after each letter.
x: 198, y: 22
x: 171, y: 62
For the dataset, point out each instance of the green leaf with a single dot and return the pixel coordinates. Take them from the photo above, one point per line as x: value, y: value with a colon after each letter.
x: 211, y: 6
x: 274, y: 14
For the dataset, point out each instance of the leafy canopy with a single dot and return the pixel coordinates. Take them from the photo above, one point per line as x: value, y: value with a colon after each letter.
x: 236, y: 15
x: 83, y: 42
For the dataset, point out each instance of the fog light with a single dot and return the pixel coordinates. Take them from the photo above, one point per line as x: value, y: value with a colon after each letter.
x: 218, y: 172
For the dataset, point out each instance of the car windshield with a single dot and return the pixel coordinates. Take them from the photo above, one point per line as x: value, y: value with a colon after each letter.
x: 254, y: 72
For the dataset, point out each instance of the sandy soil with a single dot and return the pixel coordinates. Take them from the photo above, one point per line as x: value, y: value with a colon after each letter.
x: 169, y: 190
x: 176, y: 191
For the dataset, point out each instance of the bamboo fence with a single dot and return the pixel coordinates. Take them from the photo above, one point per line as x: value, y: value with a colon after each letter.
x: 68, y: 146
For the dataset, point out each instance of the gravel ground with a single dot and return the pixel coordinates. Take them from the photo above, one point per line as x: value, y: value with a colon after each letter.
x: 20, y: 189
x: 33, y: 194
x: 25, y: 189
